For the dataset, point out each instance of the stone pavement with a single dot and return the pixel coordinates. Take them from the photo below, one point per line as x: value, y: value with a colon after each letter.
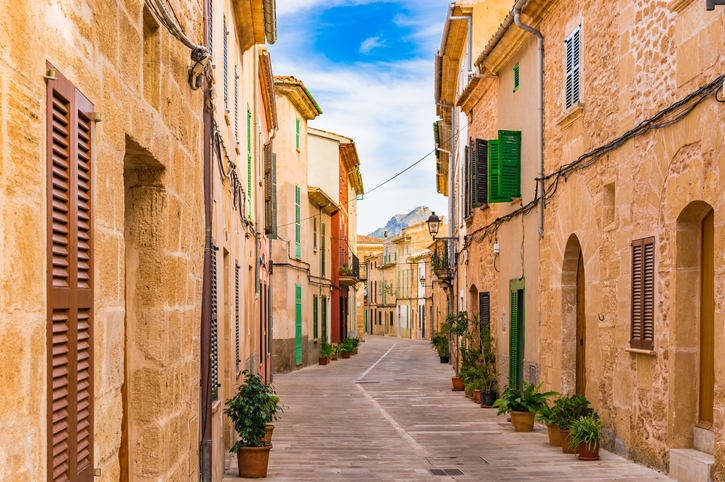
x: 389, y: 414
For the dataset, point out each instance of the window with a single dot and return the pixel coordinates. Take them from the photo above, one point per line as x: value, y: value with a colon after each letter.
x: 643, y: 282
x: 270, y: 191
x: 298, y: 324
x: 297, y: 132
x: 314, y: 316
x: 572, y: 69
x: 236, y: 317
x: 516, y: 77
x: 249, y: 162
x: 323, y: 249
x: 70, y: 273
x: 211, y: 30
x: 516, y: 333
x: 314, y: 232
x: 225, y: 68
x: 504, y: 167
x: 236, y: 103
x: 324, y: 318
x: 298, y: 226
x: 484, y: 309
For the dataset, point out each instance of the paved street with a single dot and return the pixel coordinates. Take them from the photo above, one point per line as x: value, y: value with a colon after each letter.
x: 389, y: 414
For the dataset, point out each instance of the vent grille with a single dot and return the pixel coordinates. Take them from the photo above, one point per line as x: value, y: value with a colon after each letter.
x: 445, y: 472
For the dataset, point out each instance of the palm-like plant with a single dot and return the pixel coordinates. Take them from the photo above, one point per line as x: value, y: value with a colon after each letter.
x: 528, y: 399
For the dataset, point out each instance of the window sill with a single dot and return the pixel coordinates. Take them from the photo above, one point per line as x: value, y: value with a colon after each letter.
x: 572, y: 114
x: 516, y: 200
x: 637, y: 351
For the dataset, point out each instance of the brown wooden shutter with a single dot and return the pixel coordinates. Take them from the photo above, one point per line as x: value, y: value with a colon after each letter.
x: 643, y: 275
x: 70, y: 282
x: 268, y: 188
x: 481, y: 173
x: 484, y: 308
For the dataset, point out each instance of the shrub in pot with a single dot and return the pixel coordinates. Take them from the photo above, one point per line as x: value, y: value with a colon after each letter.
x: 440, y: 344
x: 584, y: 434
x: 347, y: 348
x: 564, y: 412
x: 546, y: 415
x: 489, y: 378
x: 522, y: 404
x: 325, y: 352
x: 250, y: 410
x: 335, y: 352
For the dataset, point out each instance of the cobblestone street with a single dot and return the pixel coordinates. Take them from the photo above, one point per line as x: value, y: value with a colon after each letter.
x: 389, y: 414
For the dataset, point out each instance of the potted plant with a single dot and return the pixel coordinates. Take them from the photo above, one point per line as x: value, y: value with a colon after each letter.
x: 249, y: 410
x: 522, y: 404
x: 335, y: 351
x: 489, y: 378
x: 346, y: 348
x: 584, y: 434
x: 440, y: 343
x: 564, y: 412
x: 546, y: 415
x: 355, y: 344
x: 325, y: 352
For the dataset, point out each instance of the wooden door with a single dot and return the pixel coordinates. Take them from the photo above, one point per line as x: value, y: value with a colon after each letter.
x: 581, y: 330
x: 707, y: 324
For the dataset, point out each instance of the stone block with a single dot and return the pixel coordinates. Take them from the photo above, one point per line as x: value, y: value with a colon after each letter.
x: 151, y: 333
x: 150, y: 453
x: 704, y: 440
x: 688, y: 465
x: 687, y: 61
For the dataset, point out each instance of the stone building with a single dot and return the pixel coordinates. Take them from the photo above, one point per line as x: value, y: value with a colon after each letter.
x: 103, y: 236
x: 317, y: 180
x: 628, y: 257
x: 368, y: 249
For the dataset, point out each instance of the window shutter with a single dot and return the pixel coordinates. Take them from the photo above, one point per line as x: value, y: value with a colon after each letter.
x: 480, y: 171
x: 236, y: 103
x: 268, y: 217
x: 510, y: 163
x: 211, y: 29
x: 297, y: 132
x: 298, y: 226
x: 273, y: 232
x: 494, y: 173
x: 70, y: 282
x: 467, y: 181
x: 572, y: 67
x: 323, y: 250
x: 484, y: 308
x: 516, y: 77
x: 214, y: 352
x: 236, y: 317
x: 514, y: 340
x: 314, y: 232
x: 643, y: 265
x: 314, y: 316
x: 225, y: 71
x: 324, y: 318
x: 298, y: 324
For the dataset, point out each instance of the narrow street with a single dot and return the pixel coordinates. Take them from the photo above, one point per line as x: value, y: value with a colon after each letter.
x: 389, y: 414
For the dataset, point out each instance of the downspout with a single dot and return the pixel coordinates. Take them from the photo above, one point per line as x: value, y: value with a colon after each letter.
x: 540, y: 119
x: 205, y: 335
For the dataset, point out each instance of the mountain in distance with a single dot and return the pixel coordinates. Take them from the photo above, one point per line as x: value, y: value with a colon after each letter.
x: 400, y: 221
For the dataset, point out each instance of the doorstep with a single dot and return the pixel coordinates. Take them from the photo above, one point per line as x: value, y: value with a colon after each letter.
x: 689, y: 465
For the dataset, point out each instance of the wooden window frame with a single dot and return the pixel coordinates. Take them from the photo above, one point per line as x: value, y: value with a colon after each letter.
x: 642, y: 302
x: 572, y: 68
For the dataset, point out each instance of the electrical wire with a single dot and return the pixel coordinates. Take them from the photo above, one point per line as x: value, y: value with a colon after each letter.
x: 664, y: 118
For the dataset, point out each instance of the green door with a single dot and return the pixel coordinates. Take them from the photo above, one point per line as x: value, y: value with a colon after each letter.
x: 516, y: 334
x: 324, y: 318
x: 298, y: 323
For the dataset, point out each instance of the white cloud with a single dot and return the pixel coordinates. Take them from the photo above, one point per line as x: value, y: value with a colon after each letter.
x: 370, y: 43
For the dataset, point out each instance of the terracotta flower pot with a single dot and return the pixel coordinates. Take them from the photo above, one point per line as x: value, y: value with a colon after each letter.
x: 334, y: 357
x: 268, y: 434
x: 554, y: 435
x: 253, y: 461
x: 323, y: 360
x: 591, y: 453
x: 458, y: 384
x: 523, y: 421
x: 345, y: 355
x: 565, y: 442
x: 488, y: 399
x: 477, y: 395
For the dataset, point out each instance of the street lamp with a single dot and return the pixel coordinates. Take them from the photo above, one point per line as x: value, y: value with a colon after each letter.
x: 434, y: 223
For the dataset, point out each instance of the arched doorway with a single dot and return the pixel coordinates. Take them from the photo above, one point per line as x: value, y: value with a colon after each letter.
x: 573, y: 319
x: 693, y: 361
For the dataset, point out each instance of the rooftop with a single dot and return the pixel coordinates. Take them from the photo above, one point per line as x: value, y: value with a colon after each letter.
x: 298, y: 94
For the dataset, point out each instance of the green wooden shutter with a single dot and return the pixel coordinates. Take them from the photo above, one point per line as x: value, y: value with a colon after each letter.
x: 298, y: 324
x: 323, y: 246
x: 314, y: 316
x: 324, y: 318
x: 510, y: 158
x: 516, y: 77
x: 514, y: 341
x: 298, y: 226
x: 494, y: 170
x: 297, y: 132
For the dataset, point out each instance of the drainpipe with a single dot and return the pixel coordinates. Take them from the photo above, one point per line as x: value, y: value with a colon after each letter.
x: 540, y: 72
x: 205, y: 335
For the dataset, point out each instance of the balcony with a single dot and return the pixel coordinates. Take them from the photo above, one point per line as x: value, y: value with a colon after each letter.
x: 441, y: 263
x: 350, y: 274
x: 364, y: 272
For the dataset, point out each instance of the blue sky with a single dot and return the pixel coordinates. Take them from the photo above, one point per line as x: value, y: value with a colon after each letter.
x: 369, y: 65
